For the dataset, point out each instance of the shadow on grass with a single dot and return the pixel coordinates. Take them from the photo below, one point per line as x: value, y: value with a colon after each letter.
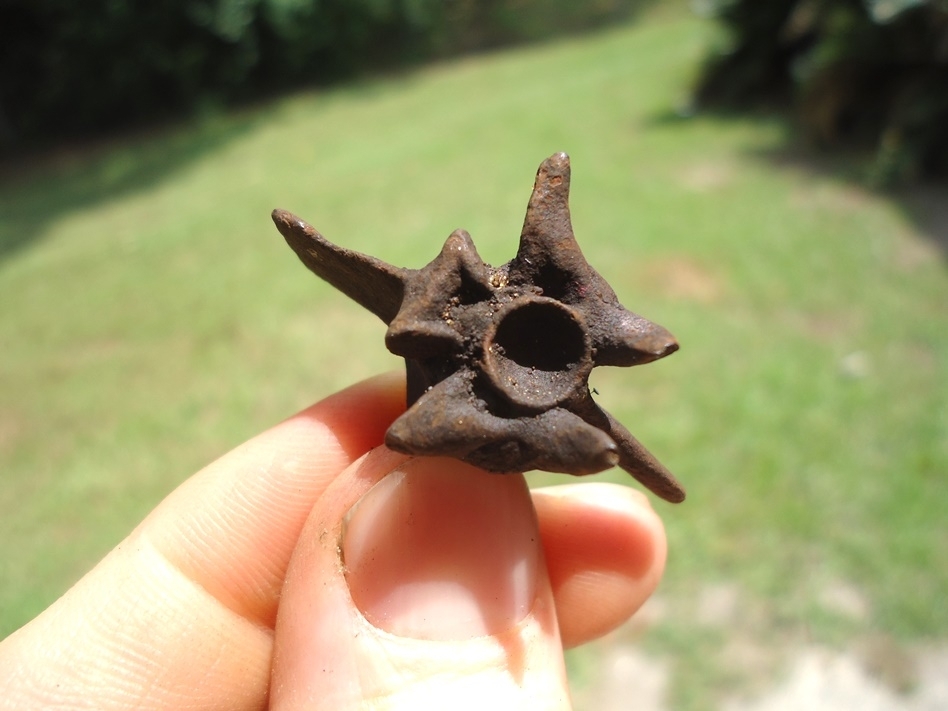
x: 927, y: 205
x: 924, y: 203
x: 36, y: 190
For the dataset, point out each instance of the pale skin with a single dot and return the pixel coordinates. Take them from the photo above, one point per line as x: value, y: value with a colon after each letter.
x: 285, y: 576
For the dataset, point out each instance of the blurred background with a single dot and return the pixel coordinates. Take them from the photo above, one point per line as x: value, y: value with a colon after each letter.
x: 766, y: 180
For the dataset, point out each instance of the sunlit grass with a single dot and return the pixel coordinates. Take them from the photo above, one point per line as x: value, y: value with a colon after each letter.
x: 152, y: 318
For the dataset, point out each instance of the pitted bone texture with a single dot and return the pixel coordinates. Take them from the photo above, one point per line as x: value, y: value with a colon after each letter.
x: 498, y: 359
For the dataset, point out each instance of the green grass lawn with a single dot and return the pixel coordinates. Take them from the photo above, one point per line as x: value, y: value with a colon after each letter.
x: 151, y: 318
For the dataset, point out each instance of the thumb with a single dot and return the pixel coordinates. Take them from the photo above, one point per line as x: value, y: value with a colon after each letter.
x: 418, y: 583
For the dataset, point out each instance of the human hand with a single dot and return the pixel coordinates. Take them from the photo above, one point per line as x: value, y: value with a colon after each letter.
x: 233, y: 594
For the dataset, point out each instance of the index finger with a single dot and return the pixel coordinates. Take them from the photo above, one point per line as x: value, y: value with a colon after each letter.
x: 233, y: 526
x: 181, y: 613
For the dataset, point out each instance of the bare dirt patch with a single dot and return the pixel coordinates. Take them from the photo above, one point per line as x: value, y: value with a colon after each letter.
x: 821, y: 680
x: 685, y: 279
x: 874, y: 673
x: 816, y: 680
x: 10, y: 428
x: 707, y: 177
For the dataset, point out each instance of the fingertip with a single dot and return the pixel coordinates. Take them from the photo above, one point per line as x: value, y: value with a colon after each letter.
x: 605, y: 549
x: 600, y: 494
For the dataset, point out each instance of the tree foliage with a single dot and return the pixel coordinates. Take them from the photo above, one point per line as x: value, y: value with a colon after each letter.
x: 869, y: 72
x: 70, y: 68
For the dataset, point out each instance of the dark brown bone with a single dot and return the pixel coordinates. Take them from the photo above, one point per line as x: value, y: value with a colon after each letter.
x: 498, y: 359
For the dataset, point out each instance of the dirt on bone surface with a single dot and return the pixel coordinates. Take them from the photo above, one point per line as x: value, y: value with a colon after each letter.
x: 498, y: 359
